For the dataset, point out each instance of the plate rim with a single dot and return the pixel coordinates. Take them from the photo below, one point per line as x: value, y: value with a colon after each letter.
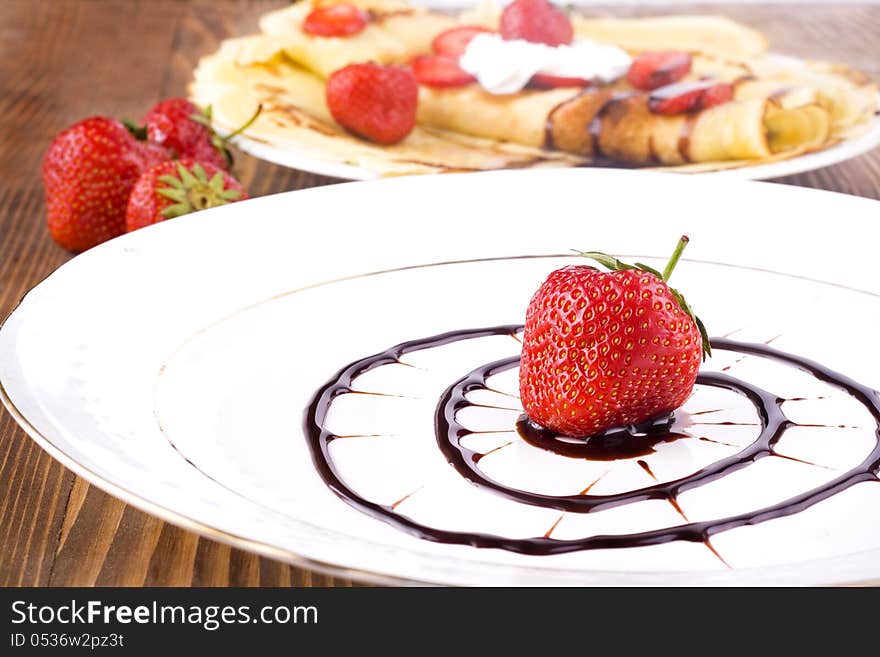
x: 290, y: 556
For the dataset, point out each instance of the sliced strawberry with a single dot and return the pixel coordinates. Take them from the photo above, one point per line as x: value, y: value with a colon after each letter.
x: 689, y: 97
x: 716, y: 95
x: 537, y: 21
x: 687, y: 101
x: 455, y: 41
x: 544, y: 81
x: 652, y: 70
x: 336, y: 21
x: 440, y: 71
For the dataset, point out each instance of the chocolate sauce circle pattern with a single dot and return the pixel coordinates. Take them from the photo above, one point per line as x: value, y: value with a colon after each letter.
x: 449, y: 432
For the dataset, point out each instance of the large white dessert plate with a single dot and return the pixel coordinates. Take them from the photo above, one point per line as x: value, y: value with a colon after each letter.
x: 173, y: 367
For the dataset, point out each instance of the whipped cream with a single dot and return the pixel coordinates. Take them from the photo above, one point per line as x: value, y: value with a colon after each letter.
x: 505, y: 67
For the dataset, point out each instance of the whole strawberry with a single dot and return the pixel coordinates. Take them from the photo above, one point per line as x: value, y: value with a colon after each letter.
x: 608, y: 349
x: 172, y: 189
x: 538, y: 21
x: 185, y: 130
x: 373, y: 101
x: 88, y: 172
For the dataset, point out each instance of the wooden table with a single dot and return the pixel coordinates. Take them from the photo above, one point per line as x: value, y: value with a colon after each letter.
x: 61, y: 61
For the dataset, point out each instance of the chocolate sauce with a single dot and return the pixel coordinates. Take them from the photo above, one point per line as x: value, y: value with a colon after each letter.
x: 549, y: 141
x: 594, y: 128
x: 449, y: 432
x: 622, y: 443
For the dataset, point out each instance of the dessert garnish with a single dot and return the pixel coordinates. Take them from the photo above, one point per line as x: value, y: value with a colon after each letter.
x: 335, y: 20
x: 537, y: 21
x: 506, y: 66
x: 651, y: 70
x: 606, y: 349
x: 454, y: 41
x: 373, y: 101
x: 440, y: 71
x: 684, y: 97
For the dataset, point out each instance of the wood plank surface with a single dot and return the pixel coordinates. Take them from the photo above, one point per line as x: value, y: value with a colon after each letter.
x: 63, y: 60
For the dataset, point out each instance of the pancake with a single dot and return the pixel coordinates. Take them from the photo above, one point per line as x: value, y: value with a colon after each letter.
x: 782, y: 107
x: 295, y: 118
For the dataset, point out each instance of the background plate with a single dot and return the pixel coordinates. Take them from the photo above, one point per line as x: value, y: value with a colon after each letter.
x: 173, y: 372
x: 841, y: 152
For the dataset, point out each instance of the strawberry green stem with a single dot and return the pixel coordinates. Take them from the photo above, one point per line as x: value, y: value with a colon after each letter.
x: 138, y: 132
x: 676, y: 256
x: 247, y: 124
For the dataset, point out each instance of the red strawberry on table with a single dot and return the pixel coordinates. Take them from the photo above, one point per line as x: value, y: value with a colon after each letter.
x: 605, y: 349
x: 88, y: 172
x: 186, y: 130
x: 337, y: 20
x: 373, y: 101
x: 172, y: 189
x: 538, y: 21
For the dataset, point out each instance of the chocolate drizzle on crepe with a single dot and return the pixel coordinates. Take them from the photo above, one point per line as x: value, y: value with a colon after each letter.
x: 594, y: 126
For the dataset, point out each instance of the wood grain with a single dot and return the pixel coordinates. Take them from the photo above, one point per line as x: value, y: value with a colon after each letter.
x: 61, y: 61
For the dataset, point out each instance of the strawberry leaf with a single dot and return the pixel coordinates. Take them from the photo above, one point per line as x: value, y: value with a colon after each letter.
x: 186, y: 176
x: 605, y: 260
x: 614, y: 264
x: 200, y: 173
x: 139, y: 132
x: 176, y: 210
x: 176, y: 195
x: 230, y: 194
x: 648, y: 269
x: 168, y: 179
x: 704, y: 336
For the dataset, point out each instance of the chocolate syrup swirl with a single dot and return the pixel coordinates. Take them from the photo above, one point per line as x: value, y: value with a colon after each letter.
x: 449, y: 432
x: 611, y: 445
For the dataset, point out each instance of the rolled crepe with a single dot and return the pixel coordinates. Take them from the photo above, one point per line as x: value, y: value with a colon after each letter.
x: 713, y: 35
x: 518, y: 118
x: 619, y: 125
x: 623, y: 128
x: 295, y: 120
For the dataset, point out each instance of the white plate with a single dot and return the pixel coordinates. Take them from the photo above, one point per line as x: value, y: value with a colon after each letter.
x: 172, y: 367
